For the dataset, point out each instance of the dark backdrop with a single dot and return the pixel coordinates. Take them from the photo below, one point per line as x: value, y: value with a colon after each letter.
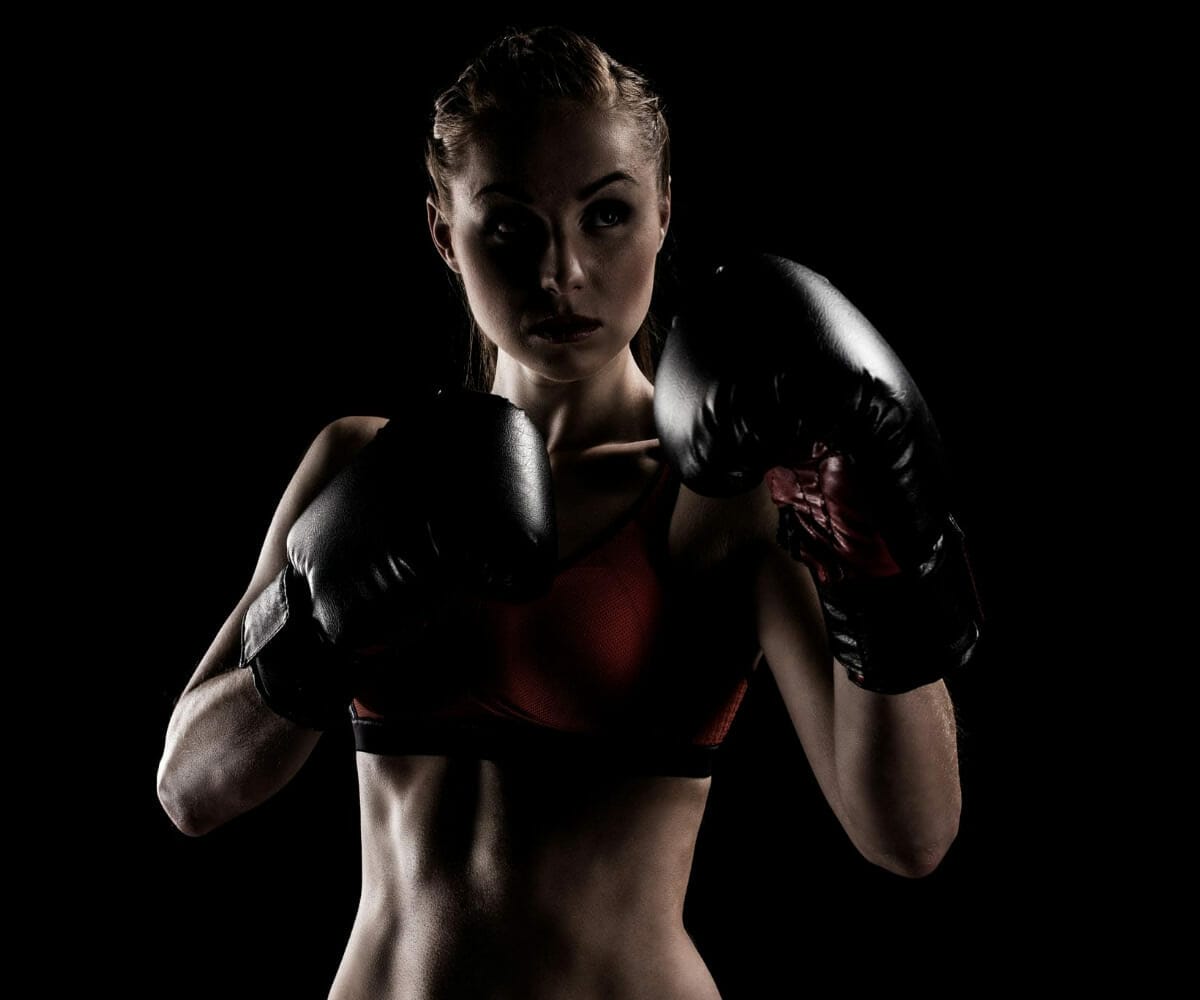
x: 261, y: 238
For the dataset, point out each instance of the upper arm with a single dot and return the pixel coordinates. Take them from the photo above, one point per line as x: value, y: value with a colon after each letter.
x: 333, y: 448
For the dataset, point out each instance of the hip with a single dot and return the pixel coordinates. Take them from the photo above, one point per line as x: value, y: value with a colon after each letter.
x: 456, y: 948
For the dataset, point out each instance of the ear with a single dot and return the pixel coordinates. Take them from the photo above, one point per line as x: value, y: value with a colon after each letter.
x: 439, y: 229
x: 664, y: 214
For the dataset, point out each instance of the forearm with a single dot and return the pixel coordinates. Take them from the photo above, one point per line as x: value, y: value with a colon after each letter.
x: 896, y: 767
x: 226, y: 752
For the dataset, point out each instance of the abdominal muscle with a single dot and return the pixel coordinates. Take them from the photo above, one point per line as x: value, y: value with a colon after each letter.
x: 525, y: 881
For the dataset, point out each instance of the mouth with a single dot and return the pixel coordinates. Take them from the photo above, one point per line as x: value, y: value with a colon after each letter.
x: 565, y: 329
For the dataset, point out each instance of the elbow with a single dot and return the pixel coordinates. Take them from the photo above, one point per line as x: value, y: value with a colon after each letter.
x: 912, y: 863
x: 183, y: 809
x: 914, y: 857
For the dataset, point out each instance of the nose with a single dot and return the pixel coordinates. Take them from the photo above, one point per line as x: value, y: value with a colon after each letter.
x: 561, y: 265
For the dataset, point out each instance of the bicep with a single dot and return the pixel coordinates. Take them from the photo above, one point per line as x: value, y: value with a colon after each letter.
x: 336, y: 444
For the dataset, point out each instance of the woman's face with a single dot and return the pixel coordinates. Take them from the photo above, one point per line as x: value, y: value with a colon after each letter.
x: 563, y: 216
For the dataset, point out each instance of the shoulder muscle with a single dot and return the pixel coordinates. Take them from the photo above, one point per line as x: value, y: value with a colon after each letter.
x: 331, y: 450
x: 333, y: 447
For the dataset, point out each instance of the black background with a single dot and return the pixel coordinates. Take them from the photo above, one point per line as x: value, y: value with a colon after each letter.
x: 257, y: 243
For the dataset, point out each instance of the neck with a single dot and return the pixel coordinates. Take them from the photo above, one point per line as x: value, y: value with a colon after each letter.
x: 614, y: 404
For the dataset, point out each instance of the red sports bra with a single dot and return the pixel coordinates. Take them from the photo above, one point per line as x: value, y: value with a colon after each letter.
x: 584, y: 674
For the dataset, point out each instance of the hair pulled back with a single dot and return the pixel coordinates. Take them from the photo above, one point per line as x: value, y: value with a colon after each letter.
x: 504, y: 85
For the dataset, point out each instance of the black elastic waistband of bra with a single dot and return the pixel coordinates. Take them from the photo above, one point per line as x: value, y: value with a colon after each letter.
x: 515, y: 743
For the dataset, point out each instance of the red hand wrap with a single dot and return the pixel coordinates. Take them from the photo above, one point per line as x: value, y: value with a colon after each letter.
x: 825, y: 518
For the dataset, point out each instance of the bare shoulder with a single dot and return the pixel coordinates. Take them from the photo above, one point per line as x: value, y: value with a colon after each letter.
x: 331, y: 450
x: 333, y: 447
x: 341, y: 439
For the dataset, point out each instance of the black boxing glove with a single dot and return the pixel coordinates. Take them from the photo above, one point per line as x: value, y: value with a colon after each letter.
x: 769, y: 371
x: 454, y: 493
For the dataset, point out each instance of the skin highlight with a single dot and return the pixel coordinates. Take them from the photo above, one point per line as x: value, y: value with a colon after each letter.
x: 524, y: 259
x: 485, y: 879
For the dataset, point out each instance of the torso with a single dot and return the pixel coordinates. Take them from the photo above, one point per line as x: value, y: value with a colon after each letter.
x: 486, y: 879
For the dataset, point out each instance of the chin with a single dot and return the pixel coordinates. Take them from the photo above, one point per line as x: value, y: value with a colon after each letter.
x: 575, y: 368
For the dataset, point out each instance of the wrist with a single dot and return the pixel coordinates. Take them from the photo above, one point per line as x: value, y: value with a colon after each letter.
x: 897, y: 633
x: 298, y: 674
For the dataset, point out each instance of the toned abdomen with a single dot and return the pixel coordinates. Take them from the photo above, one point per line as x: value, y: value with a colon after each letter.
x: 537, y: 880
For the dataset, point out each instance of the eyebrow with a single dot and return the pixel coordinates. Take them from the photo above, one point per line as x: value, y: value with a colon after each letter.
x: 586, y: 191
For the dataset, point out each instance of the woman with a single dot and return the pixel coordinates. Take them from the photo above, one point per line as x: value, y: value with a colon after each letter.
x: 536, y: 738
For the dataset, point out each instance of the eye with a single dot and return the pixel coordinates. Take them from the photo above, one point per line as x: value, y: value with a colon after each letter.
x: 506, y: 226
x: 607, y: 214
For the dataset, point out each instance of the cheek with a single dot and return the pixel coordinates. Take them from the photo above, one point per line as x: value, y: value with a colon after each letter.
x: 489, y: 285
x: 480, y: 268
x: 636, y: 269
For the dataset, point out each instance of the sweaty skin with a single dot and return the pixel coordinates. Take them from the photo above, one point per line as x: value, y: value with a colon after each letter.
x: 545, y: 881
x: 485, y: 881
x: 482, y: 879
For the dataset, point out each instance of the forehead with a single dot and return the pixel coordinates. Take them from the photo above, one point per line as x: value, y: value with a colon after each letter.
x: 553, y: 153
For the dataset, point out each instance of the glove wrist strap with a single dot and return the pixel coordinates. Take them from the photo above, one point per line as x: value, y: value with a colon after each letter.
x: 897, y: 633
x: 297, y: 673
